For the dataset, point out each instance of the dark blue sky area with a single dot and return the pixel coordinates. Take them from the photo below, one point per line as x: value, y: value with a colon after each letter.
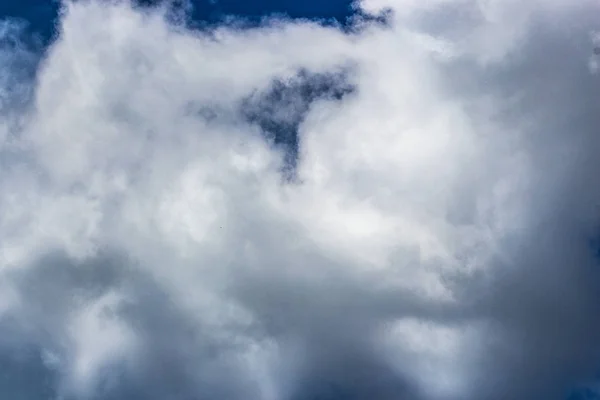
x: 41, y: 14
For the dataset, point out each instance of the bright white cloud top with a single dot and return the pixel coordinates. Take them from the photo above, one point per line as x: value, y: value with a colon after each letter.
x: 434, y: 242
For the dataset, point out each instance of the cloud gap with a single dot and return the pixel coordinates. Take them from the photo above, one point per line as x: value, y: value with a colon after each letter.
x: 280, y: 109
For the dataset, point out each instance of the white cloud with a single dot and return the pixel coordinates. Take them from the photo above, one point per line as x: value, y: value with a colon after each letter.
x: 434, y: 243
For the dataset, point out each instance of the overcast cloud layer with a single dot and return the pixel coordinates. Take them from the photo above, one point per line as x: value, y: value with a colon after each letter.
x: 399, y: 211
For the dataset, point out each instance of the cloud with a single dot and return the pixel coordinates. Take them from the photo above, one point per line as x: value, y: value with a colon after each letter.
x: 433, y: 240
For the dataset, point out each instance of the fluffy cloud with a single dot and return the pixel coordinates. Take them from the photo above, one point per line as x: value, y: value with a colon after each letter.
x: 294, y: 211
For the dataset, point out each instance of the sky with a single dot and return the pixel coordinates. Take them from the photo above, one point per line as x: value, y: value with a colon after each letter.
x: 285, y: 200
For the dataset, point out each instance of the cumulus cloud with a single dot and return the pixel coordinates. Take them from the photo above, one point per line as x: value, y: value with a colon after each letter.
x: 404, y: 210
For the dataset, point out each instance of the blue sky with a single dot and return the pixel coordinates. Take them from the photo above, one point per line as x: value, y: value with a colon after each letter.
x: 41, y: 15
x: 290, y: 210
